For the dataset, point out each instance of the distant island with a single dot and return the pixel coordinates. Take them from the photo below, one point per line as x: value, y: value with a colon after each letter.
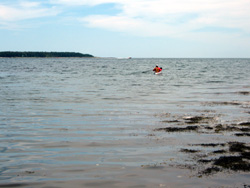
x: 43, y: 54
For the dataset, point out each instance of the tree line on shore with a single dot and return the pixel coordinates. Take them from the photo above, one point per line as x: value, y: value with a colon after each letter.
x: 43, y: 54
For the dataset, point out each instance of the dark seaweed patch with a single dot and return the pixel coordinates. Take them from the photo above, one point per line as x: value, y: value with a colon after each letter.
x: 245, y: 129
x: 170, y: 121
x: 223, y: 103
x: 244, y: 92
x: 245, y: 123
x: 242, y: 134
x: 204, y: 161
x: 239, y: 162
x: 19, y: 185
x: 194, y: 119
x: 210, y: 144
x: 233, y: 163
x: 208, y: 128
x: 197, y: 119
x: 30, y: 172
x: 210, y: 170
x: 234, y: 156
x: 182, y: 120
x: 189, y: 151
x: 220, y: 128
x: 219, y: 151
x: 245, y: 155
x: 238, y: 147
x: 153, y: 166
x: 178, y: 129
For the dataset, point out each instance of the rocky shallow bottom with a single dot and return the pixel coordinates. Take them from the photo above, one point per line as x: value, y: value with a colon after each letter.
x: 211, y: 158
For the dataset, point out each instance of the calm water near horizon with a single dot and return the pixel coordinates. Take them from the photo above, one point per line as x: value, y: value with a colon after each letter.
x: 91, y: 122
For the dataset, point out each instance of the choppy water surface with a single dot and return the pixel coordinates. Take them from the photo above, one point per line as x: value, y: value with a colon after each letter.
x: 91, y: 122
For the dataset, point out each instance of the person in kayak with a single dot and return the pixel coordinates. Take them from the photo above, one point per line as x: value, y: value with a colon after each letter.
x: 157, y: 69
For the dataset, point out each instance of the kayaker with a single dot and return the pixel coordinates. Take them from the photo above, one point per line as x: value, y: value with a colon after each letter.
x: 157, y: 69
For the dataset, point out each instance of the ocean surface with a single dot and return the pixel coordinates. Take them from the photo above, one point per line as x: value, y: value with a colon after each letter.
x: 76, y: 122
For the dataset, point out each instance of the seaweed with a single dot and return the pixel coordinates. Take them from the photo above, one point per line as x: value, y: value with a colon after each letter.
x: 220, y: 128
x: 245, y: 155
x: 189, y: 151
x: 238, y: 147
x: 242, y: 134
x: 245, y: 123
x: 219, y: 151
x: 197, y: 119
x: 210, y: 170
x: 245, y: 129
x: 234, y: 156
x: 211, y: 144
x: 170, y: 121
x: 178, y: 129
x: 244, y: 92
x: 193, y: 119
x: 234, y: 163
x: 204, y: 161
x: 208, y: 128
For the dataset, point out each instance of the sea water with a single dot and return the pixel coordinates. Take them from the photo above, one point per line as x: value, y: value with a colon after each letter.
x: 93, y: 119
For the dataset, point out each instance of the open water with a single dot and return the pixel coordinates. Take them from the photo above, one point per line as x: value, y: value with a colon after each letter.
x: 90, y: 122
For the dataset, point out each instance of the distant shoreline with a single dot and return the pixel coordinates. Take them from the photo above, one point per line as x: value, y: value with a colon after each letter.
x: 13, y: 54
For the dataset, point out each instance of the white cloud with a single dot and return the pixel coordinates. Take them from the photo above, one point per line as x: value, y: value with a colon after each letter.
x: 164, y: 17
x: 25, y: 10
x: 82, y: 2
x: 135, y: 26
x: 142, y: 17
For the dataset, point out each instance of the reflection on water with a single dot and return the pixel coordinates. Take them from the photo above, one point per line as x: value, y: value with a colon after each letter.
x: 74, y: 119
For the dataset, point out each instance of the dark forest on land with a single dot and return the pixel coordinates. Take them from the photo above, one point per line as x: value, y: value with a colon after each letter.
x: 43, y: 54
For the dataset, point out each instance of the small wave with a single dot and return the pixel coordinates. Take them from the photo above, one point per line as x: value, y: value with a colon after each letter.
x: 215, y: 81
x: 243, y: 93
x: 234, y: 103
x: 119, y: 98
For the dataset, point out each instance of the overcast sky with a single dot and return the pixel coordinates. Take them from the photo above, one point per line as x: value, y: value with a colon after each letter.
x: 123, y: 28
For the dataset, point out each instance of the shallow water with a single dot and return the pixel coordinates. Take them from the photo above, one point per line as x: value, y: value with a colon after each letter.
x: 91, y: 122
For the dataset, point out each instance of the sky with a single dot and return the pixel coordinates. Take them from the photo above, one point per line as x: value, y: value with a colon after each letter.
x: 128, y: 28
